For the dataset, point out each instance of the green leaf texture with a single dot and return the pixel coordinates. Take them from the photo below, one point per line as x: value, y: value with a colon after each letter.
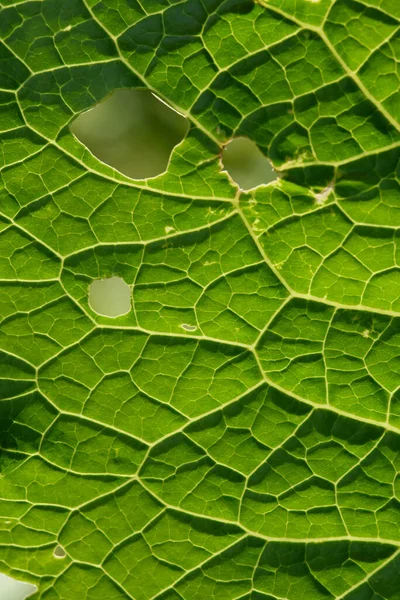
x: 236, y: 435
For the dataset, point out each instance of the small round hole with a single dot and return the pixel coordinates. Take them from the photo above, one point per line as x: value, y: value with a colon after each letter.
x: 110, y: 297
x: 246, y: 164
x: 59, y: 552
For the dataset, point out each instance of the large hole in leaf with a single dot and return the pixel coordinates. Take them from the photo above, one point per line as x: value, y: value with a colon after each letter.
x: 12, y: 589
x: 132, y: 131
x: 246, y: 164
x: 110, y: 297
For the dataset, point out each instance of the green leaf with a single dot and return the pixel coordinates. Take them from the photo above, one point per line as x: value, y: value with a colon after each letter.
x: 236, y: 434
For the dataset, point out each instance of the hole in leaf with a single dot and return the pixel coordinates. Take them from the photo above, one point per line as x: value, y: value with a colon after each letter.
x: 110, y: 297
x: 246, y: 164
x: 59, y: 552
x: 187, y: 327
x: 132, y: 131
x: 12, y: 589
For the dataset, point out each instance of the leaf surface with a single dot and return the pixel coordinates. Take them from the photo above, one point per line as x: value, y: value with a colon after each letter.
x: 235, y: 435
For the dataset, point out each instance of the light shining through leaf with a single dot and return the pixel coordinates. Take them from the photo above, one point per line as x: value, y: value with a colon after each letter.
x: 226, y: 424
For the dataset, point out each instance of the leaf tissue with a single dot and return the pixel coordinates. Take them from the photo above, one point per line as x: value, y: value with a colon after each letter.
x: 234, y: 431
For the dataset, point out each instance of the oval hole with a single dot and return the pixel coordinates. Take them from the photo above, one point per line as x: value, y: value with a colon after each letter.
x: 246, y: 164
x: 12, y: 589
x: 132, y: 131
x: 110, y: 297
x: 188, y: 327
